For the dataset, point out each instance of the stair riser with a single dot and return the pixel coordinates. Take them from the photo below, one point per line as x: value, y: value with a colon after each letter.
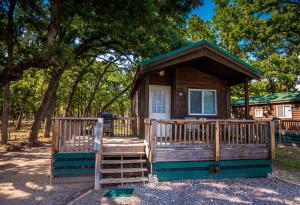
x: 123, y: 149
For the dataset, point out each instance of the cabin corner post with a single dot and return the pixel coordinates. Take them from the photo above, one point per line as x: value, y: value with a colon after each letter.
x: 246, y: 89
x: 217, y: 141
x: 272, y: 132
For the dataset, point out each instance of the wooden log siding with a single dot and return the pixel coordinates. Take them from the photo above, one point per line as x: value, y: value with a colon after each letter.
x: 194, y: 140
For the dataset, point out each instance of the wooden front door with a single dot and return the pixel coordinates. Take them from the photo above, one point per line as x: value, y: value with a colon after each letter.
x: 159, y: 102
x: 160, y: 108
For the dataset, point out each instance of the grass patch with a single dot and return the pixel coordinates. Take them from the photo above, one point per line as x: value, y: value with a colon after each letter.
x: 288, y: 157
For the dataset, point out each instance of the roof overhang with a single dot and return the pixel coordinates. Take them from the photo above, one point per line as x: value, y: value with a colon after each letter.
x: 205, y: 56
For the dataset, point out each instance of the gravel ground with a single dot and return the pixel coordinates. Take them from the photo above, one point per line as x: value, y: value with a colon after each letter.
x: 225, y: 191
x: 24, y: 179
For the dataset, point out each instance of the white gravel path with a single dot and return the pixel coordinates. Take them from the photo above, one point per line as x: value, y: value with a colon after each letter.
x: 225, y: 191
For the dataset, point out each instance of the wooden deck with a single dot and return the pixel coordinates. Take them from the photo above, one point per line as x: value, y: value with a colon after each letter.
x: 169, y: 147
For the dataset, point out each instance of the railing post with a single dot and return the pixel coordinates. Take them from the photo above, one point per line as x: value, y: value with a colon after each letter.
x: 272, y: 132
x: 152, y: 140
x: 98, y: 149
x: 55, y: 136
x: 280, y: 131
x: 217, y: 141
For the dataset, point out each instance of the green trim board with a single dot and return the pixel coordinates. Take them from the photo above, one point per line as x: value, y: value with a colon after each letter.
x: 73, y: 164
x: 198, y: 43
x: 270, y: 98
x: 289, y: 137
x: 168, y: 171
x: 73, y: 155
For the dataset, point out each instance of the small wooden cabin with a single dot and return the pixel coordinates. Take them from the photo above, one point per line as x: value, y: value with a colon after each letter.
x: 192, y: 82
x: 285, y: 106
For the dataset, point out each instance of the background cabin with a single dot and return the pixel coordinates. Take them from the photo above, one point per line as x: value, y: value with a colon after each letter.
x: 285, y: 106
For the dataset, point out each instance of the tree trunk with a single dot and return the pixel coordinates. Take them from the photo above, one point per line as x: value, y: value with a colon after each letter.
x: 48, y: 115
x: 107, y: 105
x: 91, y: 99
x: 19, y: 120
x: 51, y: 90
x: 9, y: 63
x: 71, y: 96
x: 5, y: 114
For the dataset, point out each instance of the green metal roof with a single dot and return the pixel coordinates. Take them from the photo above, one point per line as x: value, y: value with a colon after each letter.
x: 179, y: 50
x: 275, y: 97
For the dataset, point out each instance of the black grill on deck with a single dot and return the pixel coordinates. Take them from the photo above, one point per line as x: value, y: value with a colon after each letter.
x: 108, y: 120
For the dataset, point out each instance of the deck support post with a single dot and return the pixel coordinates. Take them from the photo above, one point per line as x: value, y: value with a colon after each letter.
x: 280, y: 131
x: 217, y: 141
x: 98, y: 158
x: 55, y: 136
x: 272, y: 132
x: 97, y: 170
x: 246, y: 89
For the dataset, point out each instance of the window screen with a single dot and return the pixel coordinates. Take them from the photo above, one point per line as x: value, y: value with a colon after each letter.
x: 159, y: 101
x: 202, y: 102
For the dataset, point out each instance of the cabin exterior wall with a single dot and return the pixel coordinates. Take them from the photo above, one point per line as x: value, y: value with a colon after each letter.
x: 181, y: 80
x: 190, y: 78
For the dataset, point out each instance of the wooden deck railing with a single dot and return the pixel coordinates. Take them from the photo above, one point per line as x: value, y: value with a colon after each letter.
x: 179, y: 134
x: 125, y: 126
x: 72, y: 134
x: 288, y: 132
x: 289, y: 124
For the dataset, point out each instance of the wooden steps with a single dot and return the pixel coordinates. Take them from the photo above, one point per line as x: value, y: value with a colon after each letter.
x: 123, y: 170
x: 124, y: 180
x: 123, y: 148
x: 124, y: 161
x: 121, y: 164
x: 122, y: 153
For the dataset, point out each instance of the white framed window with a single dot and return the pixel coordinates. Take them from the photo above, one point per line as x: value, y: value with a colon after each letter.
x: 159, y: 101
x: 284, y: 111
x: 202, y: 102
x: 259, y: 112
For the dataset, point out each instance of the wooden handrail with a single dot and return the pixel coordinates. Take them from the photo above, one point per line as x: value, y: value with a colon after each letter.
x: 170, y: 133
x: 208, y: 134
x: 76, y: 134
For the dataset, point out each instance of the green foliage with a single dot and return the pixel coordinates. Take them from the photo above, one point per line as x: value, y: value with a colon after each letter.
x: 266, y: 32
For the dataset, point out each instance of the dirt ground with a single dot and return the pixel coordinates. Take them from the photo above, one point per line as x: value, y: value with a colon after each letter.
x: 24, y: 179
